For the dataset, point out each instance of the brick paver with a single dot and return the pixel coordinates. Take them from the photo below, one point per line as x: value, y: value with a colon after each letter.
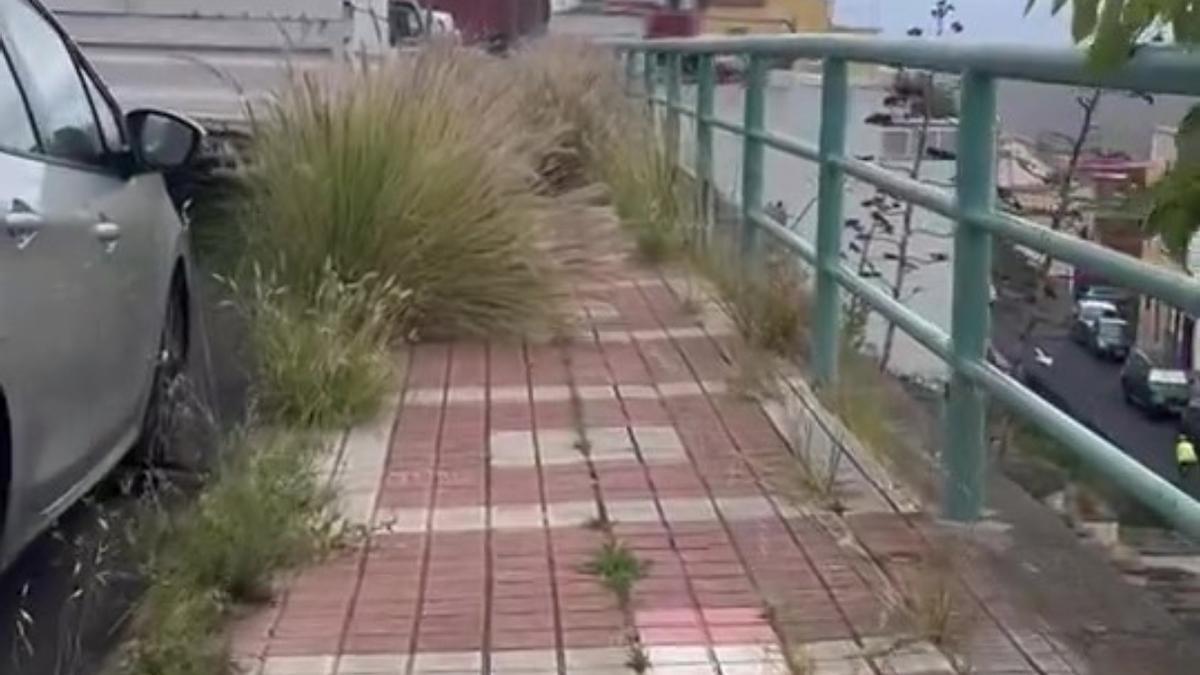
x: 504, y: 455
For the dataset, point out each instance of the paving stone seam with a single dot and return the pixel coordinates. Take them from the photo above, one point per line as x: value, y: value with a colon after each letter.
x: 630, y: 631
x: 555, y: 597
x: 488, y: 570
x: 749, y: 465
x: 427, y: 536
x: 687, y: 578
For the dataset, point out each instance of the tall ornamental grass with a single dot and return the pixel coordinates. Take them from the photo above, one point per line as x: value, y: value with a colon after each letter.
x: 421, y: 170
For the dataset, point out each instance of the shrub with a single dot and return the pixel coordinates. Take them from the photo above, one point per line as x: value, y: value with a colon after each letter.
x: 603, y: 136
x: 266, y: 510
x: 420, y: 170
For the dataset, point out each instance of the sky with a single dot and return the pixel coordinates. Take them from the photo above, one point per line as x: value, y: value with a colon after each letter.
x: 983, y: 20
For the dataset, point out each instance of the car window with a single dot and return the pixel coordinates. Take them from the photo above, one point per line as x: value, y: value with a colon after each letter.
x: 60, y: 106
x: 16, y: 129
x: 110, y: 127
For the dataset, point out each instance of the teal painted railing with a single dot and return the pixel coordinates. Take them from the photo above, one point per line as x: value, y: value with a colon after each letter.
x: 970, y: 206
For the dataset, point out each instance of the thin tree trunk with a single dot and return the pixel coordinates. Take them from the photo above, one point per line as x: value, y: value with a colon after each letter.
x: 906, y: 228
x: 1042, y: 283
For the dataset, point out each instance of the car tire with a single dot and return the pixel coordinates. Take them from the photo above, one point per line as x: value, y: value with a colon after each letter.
x: 163, y: 410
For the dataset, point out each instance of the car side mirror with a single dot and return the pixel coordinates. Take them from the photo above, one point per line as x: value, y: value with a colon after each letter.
x: 161, y: 140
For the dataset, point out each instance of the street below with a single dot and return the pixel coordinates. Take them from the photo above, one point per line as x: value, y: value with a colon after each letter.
x: 1080, y: 384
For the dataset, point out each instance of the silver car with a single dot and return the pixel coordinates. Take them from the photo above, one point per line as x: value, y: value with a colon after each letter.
x: 93, y: 274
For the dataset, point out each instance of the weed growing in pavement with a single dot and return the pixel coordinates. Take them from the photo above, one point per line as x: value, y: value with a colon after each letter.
x: 799, y: 661
x: 753, y: 376
x: 808, y: 475
x: 768, y: 304
x: 422, y: 170
x: 618, y: 568
x: 599, y: 523
x: 638, y: 659
x: 934, y: 607
x: 323, y: 359
x: 264, y: 510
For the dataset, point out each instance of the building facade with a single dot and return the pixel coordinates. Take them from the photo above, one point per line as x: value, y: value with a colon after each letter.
x: 733, y: 17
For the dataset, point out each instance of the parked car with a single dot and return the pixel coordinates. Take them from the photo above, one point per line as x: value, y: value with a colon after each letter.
x: 1158, y: 391
x: 1086, y: 313
x: 93, y: 277
x: 1109, y: 338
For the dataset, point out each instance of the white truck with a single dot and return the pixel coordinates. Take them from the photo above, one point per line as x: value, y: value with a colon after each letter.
x: 211, y: 58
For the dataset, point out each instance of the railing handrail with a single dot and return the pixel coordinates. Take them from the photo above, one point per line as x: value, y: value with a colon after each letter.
x: 971, y: 206
x: 1152, y: 68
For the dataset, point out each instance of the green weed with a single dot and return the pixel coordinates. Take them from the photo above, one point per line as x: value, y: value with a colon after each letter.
x: 265, y: 511
x: 618, y: 568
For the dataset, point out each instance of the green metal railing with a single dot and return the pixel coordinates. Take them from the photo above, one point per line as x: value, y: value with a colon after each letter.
x: 970, y: 207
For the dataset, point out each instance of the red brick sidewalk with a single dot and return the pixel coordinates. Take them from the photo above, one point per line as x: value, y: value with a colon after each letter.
x: 491, y: 503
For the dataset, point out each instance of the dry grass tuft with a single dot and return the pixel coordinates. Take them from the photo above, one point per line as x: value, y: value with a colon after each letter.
x: 769, y: 303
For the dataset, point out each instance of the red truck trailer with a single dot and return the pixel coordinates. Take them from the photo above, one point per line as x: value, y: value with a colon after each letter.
x: 499, y: 22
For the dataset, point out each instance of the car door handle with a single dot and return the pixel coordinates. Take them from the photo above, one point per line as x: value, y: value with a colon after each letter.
x: 106, y: 232
x: 22, y: 223
x: 22, y: 220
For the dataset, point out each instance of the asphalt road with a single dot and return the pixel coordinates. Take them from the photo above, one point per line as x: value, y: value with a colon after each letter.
x: 64, y: 602
x: 1084, y: 386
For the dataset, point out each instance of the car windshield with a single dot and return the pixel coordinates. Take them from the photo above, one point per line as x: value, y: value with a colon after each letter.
x: 1092, y: 309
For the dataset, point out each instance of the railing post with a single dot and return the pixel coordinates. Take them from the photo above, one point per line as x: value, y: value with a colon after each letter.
x: 965, y: 454
x: 705, y: 89
x: 827, y: 333
x: 648, y: 81
x: 752, y: 152
x: 674, y: 75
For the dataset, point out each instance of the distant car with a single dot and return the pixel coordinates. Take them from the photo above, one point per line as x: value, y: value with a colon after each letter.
x: 1158, y: 391
x: 1086, y: 315
x: 93, y: 275
x: 442, y: 25
x: 1123, y: 300
x: 1109, y: 337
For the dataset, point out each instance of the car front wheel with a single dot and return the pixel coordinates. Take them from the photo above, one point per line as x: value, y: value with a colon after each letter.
x: 161, y: 421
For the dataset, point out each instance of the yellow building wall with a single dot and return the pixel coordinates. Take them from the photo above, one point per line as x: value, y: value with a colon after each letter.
x: 772, y: 16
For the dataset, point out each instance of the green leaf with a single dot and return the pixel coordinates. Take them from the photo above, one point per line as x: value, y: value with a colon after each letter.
x: 1029, y: 6
x: 1083, y: 19
x: 1113, y: 39
x: 1185, y: 23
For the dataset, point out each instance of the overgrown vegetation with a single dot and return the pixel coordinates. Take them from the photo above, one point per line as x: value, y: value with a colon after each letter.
x: 608, y: 138
x: 266, y: 510
x: 768, y: 303
x: 324, y: 361
x: 422, y: 171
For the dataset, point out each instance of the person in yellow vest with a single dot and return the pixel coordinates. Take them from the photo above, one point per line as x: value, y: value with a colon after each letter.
x: 1185, y: 456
